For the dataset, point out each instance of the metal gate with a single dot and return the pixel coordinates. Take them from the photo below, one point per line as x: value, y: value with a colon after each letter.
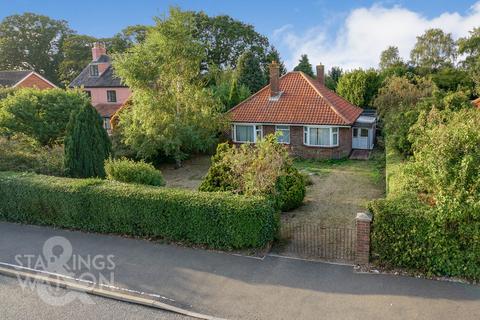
x: 309, y: 241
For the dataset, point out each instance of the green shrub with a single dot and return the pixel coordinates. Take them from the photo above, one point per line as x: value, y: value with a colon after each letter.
x: 39, y: 114
x: 431, y: 218
x: 291, y: 189
x: 410, y: 234
x: 262, y: 169
x: 19, y: 153
x: 218, y: 220
x: 87, y: 144
x: 129, y: 171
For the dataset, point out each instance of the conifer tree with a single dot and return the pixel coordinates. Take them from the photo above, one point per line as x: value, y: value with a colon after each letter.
x: 87, y: 144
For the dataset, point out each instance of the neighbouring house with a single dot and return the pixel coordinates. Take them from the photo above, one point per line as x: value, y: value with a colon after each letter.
x: 314, y: 121
x: 106, y: 91
x: 476, y: 102
x: 24, y: 79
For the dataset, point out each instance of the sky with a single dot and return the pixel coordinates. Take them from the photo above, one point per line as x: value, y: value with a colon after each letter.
x: 345, y: 33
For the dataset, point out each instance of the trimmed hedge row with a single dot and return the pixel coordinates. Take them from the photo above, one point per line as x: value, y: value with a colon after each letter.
x: 218, y: 220
x: 409, y: 234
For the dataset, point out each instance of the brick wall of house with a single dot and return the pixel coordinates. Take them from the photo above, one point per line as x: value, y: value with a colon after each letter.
x: 34, y: 81
x: 297, y: 148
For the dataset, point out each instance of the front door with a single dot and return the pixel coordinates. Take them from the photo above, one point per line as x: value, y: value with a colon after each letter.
x: 360, y: 138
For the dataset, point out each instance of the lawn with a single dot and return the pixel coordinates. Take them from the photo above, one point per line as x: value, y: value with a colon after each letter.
x: 189, y: 176
x: 339, y: 189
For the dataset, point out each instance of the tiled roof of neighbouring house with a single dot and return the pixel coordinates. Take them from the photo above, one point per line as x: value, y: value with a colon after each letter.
x: 106, y: 79
x: 107, y: 109
x: 11, y: 78
x: 303, y: 101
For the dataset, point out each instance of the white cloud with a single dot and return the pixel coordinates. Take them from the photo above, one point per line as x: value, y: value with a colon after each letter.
x: 365, y: 32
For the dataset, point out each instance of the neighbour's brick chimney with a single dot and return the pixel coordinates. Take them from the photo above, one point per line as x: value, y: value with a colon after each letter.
x: 321, y: 74
x: 97, y: 50
x: 274, y: 79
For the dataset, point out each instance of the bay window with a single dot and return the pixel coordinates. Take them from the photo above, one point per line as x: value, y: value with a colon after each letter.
x: 247, y: 133
x: 320, y: 136
x: 284, y: 136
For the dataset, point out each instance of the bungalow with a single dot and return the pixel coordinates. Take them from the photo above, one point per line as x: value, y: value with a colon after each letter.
x: 314, y: 121
x: 106, y: 91
x: 24, y: 79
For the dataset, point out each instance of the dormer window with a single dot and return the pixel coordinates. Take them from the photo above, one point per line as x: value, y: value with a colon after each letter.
x: 94, y: 70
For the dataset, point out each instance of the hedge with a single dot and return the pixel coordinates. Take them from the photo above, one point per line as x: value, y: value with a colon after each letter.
x: 409, y: 234
x: 218, y: 220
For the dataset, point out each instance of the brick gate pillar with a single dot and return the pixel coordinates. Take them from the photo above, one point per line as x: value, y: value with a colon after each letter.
x: 362, y: 248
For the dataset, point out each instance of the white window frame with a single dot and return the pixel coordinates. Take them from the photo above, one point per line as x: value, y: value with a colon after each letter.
x: 282, y: 129
x: 332, y: 132
x: 97, y: 74
x: 257, y: 132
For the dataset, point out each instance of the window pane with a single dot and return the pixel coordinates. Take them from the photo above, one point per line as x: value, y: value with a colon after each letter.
x: 284, y: 136
x: 258, y: 132
x: 111, y: 96
x: 319, y: 137
x: 355, y: 132
x: 364, y: 132
x: 244, y: 133
x: 335, y: 139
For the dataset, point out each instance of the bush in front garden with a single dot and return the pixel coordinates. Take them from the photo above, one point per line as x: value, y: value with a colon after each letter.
x: 291, y: 189
x: 261, y: 169
x: 19, y: 153
x: 129, y: 171
x: 39, y: 114
x: 218, y: 220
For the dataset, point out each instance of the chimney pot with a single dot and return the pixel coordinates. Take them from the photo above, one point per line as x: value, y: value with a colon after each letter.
x: 98, y: 49
x: 321, y: 74
x: 274, y: 79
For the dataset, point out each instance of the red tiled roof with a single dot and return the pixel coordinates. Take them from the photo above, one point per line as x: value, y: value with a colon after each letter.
x: 107, y: 109
x: 303, y: 101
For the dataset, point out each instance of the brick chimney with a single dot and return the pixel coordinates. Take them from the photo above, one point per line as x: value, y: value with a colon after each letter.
x: 274, y: 79
x: 321, y: 74
x: 97, y: 50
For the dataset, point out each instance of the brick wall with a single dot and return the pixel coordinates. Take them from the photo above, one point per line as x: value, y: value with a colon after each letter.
x: 34, y: 81
x: 297, y: 148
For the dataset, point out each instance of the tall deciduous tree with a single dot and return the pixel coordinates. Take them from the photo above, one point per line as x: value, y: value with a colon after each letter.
x: 249, y: 72
x: 389, y: 58
x: 172, y: 113
x: 469, y: 47
x: 77, y: 54
x: 304, y: 65
x: 226, y: 39
x: 31, y: 41
x: 87, y: 145
x: 434, y: 49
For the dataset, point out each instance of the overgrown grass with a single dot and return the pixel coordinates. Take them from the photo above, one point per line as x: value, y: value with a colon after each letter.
x: 21, y: 154
x: 374, y: 167
x: 394, y: 176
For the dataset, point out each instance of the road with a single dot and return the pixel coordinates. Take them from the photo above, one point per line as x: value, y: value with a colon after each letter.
x: 237, y: 287
x: 19, y: 303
